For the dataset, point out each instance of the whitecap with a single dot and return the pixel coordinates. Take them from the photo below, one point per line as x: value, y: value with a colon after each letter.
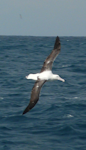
x: 65, y: 66
x: 69, y: 116
x: 75, y: 97
x: 1, y: 98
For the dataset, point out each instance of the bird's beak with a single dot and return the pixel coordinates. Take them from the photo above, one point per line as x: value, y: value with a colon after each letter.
x: 61, y: 79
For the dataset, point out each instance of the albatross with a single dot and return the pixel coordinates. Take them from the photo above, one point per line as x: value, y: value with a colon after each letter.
x: 44, y: 75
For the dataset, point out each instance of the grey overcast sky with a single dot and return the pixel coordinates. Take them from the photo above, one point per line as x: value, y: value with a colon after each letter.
x: 43, y: 17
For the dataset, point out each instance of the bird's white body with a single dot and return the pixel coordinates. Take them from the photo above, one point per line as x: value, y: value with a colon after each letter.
x: 45, y: 75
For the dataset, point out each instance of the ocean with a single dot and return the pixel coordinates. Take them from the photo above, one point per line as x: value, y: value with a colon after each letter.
x: 58, y: 121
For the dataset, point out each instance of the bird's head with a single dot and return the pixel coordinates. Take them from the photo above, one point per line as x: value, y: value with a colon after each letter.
x: 59, y: 78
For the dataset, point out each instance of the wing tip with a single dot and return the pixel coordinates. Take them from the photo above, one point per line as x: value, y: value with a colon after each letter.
x: 23, y: 113
x: 26, y: 110
x: 57, y: 41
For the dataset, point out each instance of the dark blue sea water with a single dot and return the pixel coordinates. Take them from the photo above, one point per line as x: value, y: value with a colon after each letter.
x: 58, y: 121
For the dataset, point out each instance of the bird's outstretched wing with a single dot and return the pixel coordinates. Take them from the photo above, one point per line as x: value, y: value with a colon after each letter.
x: 50, y: 59
x: 34, y: 95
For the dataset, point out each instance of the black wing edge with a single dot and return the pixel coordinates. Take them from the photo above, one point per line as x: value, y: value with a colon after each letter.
x: 56, y: 42
x: 56, y: 50
x: 29, y: 107
x: 34, y: 95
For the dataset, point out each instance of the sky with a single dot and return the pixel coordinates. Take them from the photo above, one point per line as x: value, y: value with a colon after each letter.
x: 43, y: 17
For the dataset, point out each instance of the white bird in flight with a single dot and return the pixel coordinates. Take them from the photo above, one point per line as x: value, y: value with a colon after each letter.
x: 44, y: 75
